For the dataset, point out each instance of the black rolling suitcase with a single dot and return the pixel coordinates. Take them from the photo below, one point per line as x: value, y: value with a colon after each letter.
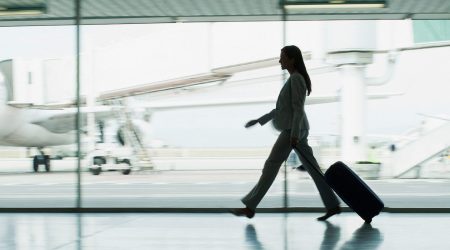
x: 353, y: 191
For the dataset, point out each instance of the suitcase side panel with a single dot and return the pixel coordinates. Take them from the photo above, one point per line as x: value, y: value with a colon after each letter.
x: 353, y: 191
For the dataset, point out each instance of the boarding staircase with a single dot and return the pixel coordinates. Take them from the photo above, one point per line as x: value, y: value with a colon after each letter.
x: 426, y: 146
x: 132, y: 138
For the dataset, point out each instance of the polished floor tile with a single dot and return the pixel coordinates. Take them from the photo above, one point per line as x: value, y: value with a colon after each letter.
x: 185, y: 231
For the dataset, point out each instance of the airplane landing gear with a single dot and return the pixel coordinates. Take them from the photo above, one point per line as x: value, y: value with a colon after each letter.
x: 41, y: 159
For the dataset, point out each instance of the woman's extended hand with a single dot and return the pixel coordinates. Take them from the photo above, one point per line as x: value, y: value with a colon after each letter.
x: 251, y: 123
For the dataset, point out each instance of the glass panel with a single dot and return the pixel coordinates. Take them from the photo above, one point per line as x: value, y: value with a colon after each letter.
x: 380, y: 122
x: 36, y: 157
x: 431, y: 30
x: 184, y: 141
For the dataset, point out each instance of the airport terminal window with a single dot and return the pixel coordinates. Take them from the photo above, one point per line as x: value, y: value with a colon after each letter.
x: 392, y: 141
x: 199, y: 154
x: 165, y: 104
x: 37, y: 70
x: 187, y: 146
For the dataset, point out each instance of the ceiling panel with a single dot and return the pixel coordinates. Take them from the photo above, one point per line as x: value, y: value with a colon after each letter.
x: 61, y: 12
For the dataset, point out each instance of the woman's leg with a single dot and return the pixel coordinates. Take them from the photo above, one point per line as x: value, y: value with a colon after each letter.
x: 278, y: 155
x: 309, y: 162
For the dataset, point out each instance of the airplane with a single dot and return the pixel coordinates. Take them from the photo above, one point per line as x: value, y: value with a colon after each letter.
x: 53, y: 124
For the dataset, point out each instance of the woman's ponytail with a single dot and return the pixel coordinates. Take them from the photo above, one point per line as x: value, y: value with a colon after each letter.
x: 293, y: 52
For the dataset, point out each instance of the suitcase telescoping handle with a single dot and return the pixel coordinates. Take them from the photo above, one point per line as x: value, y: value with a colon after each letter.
x: 310, y: 163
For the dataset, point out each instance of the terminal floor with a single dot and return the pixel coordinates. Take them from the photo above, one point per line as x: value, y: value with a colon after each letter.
x: 199, y: 231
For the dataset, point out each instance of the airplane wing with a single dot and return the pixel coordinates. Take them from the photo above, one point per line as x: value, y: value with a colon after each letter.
x: 64, y: 120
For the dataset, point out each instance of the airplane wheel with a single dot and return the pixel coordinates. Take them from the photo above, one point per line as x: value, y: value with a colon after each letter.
x: 35, y: 164
x: 126, y: 171
x: 96, y: 171
x: 47, y: 163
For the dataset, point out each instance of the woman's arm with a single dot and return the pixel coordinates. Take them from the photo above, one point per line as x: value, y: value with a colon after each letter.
x: 298, y: 96
x: 262, y: 120
x: 266, y: 118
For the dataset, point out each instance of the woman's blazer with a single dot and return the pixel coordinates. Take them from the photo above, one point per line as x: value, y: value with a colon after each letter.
x: 290, y: 108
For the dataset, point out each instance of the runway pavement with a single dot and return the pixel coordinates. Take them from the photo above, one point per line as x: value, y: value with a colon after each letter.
x: 196, y: 189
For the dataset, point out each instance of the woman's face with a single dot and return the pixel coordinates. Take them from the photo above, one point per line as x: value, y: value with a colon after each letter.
x: 286, y: 63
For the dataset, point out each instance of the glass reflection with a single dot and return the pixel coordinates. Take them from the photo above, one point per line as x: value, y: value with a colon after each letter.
x: 252, y: 238
x: 365, y: 237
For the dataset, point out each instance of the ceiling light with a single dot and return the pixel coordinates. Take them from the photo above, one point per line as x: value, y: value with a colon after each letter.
x: 16, y: 10
x: 333, y: 4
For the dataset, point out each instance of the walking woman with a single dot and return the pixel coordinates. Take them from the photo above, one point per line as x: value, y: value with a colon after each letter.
x: 290, y: 119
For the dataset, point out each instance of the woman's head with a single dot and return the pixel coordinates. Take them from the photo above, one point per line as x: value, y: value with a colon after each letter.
x: 291, y: 56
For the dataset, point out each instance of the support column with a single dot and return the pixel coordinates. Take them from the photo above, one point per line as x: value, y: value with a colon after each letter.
x: 351, y: 65
x: 353, y: 113
x: 350, y: 46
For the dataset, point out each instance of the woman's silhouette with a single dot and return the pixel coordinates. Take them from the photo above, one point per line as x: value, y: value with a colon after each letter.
x: 290, y: 119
